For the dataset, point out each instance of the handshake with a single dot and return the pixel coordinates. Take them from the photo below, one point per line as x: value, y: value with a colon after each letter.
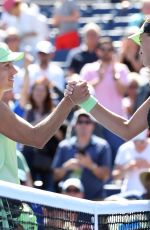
x: 79, y: 93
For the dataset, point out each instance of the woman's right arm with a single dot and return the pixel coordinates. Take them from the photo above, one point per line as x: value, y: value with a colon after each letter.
x: 126, y: 129
x: 19, y: 130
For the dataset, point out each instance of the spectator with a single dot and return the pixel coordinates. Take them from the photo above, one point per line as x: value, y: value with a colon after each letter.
x: 22, y: 101
x: 32, y: 26
x: 86, y: 53
x: 46, y: 67
x: 132, y: 158
x: 39, y: 160
x: 13, y: 39
x: 110, y: 81
x: 73, y: 187
x: 66, y: 15
x: 129, y: 52
x: 131, y: 94
x: 84, y: 156
x: 145, y: 180
x: 144, y: 91
x: 138, y: 18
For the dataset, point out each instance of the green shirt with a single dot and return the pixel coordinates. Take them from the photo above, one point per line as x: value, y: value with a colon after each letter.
x: 8, y: 160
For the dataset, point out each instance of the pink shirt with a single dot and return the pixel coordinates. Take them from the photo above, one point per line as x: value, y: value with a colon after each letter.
x: 106, y: 91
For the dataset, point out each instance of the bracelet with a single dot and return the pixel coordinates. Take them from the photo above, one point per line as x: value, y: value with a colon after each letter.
x: 89, y: 104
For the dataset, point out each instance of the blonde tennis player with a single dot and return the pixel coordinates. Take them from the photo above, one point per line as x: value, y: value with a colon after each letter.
x: 15, y: 129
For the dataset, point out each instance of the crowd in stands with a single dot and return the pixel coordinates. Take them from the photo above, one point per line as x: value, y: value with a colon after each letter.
x: 83, y: 157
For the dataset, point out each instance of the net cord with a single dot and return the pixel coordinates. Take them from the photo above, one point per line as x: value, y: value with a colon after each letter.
x: 19, y: 192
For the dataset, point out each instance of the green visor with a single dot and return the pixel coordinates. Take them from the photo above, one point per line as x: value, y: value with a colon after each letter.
x: 136, y: 37
x: 6, y: 55
x: 145, y: 28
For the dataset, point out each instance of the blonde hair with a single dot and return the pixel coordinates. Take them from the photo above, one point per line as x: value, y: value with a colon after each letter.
x: 91, y: 26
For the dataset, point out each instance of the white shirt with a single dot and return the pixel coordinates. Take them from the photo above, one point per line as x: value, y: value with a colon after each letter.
x: 27, y: 22
x: 54, y: 74
x: 125, y: 154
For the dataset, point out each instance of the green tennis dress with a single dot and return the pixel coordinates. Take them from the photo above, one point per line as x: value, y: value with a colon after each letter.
x: 9, y: 173
x: 8, y: 160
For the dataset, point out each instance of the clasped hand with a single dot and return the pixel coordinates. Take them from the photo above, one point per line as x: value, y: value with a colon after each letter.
x: 77, y: 91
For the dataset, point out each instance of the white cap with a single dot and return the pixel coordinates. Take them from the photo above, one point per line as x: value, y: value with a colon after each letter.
x: 80, y: 112
x: 45, y: 47
x: 75, y: 182
x: 140, y: 136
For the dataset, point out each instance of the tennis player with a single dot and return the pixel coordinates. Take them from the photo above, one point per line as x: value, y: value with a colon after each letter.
x: 140, y: 120
x: 15, y: 129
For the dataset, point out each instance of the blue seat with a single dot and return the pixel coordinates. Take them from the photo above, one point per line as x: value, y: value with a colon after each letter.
x: 133, y: 10
x: 120, y: 24
x: 61, y: 55
x: 46, y: 10
x: 116, y: 37
x: 86, y: 11
x: 101, y: 11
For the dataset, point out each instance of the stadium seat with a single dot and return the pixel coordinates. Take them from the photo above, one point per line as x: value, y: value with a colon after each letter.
x: 61, y: 55
x: 46, y: 10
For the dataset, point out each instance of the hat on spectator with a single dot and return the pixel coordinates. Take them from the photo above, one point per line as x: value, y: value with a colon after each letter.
x: 6, y: 55
x: 72, y: 182
x: 141, y: 136
x: 12, y: 31
x: 81, y: 112
x: 145, y: 28
x: 8, y: 4
x: 45, y: 47
x: 91, y: 26
x: 144, y: 176
x: 104, y: 40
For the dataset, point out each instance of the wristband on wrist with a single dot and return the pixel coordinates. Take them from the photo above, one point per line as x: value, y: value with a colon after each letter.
x: 89, y: 104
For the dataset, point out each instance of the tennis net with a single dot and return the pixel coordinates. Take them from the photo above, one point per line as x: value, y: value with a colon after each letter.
x: 25, y: 208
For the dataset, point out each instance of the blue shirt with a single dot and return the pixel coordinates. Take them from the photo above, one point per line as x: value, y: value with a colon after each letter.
x: 100, y: 153
x: 18, y: 109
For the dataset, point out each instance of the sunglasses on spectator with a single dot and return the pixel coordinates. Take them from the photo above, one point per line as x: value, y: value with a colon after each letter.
x: 72, y: 190
x: 12, y: 39
x: 84, y: 122
x: 107, y: 49
x: 133, y: 86
x: 140, y: 140
x: 42, y: 53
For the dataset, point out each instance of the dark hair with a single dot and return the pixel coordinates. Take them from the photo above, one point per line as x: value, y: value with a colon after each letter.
x: 47, y: 105
x: 104, y: 40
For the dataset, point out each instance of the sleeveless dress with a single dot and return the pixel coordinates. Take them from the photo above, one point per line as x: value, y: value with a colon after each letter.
x: 8, y: 160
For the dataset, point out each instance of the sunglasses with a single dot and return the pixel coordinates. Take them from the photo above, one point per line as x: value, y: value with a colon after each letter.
x: 42, y: 53
x: 12, y: 39
x: 107, y: 49
x: 133, y: 86
x: 140, y: 140
x: 84, y: 122
x: 73, y: 190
